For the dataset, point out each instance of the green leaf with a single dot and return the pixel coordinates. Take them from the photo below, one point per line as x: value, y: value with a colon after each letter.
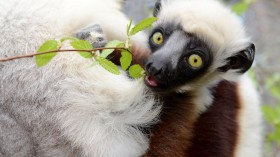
x: 136, y: 71
x: 68, y: 38
x: 50, y: 45
x: 275, y: 136
x: 240, y: 8
x: 94, y: 63
x: 82, y: 45
x: 126, y: 59
x: 108, y: 65
x: 275, y: 91
x: 273, y: 85
x: 143, y: 25
x: 271, y: 114
x: 129, y: 27
x: 114, y: 43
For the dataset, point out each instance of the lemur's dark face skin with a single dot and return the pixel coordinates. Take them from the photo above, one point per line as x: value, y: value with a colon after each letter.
x: 177, y: 58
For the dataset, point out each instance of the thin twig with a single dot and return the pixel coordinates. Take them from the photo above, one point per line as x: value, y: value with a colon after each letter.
x: 41, y: 53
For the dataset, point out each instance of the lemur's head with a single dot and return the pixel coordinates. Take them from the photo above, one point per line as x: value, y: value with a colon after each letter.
x: 195, y: 43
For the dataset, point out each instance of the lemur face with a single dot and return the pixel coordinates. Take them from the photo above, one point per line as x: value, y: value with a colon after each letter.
x: 194, y: 43
x: 177, y: 57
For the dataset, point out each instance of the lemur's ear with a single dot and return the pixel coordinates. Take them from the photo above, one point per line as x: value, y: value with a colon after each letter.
x: 241, y: 61
x: 157, y: 7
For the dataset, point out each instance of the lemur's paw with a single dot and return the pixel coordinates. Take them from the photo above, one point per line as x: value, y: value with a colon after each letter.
x: 94, y: 34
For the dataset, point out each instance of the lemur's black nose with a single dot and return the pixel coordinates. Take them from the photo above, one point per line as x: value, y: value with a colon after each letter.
x: 155, y: 69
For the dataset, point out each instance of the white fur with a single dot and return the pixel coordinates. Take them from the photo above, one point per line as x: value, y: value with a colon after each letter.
x: 100, y: 121
x: 203, y: 99
x: 250, y: 120
x: 69, y: 108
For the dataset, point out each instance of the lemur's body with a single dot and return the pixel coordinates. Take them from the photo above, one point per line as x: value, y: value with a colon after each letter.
x: 199, y: 50
x: 230, y: 127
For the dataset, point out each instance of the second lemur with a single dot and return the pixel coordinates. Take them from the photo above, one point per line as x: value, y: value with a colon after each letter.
x: 199, y: 53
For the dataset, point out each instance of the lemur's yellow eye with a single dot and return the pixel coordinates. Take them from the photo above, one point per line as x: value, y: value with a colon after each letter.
x: 195, y: 61
x: 157, y: 38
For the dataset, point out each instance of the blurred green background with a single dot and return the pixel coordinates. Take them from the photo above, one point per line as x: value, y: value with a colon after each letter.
x: 262, y: 20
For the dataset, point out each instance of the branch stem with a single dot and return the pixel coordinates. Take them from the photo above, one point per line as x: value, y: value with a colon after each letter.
x: 41, y: 53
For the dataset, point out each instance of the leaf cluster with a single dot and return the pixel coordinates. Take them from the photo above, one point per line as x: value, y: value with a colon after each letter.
x: 242, y: 6
x: 86, y: 50
x: 272, y: 112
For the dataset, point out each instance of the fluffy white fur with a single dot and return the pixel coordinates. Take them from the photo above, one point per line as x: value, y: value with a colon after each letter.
x: 67, y: 108
x: 250, y: 120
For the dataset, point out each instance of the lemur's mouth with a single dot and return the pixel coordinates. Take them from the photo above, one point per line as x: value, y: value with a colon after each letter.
x: 154, y: 83
x: 157, y: 85
x: 151, y: 81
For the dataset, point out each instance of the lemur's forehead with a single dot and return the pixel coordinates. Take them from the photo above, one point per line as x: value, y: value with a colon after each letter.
x: 171, y: 28
x: 207, y: 19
